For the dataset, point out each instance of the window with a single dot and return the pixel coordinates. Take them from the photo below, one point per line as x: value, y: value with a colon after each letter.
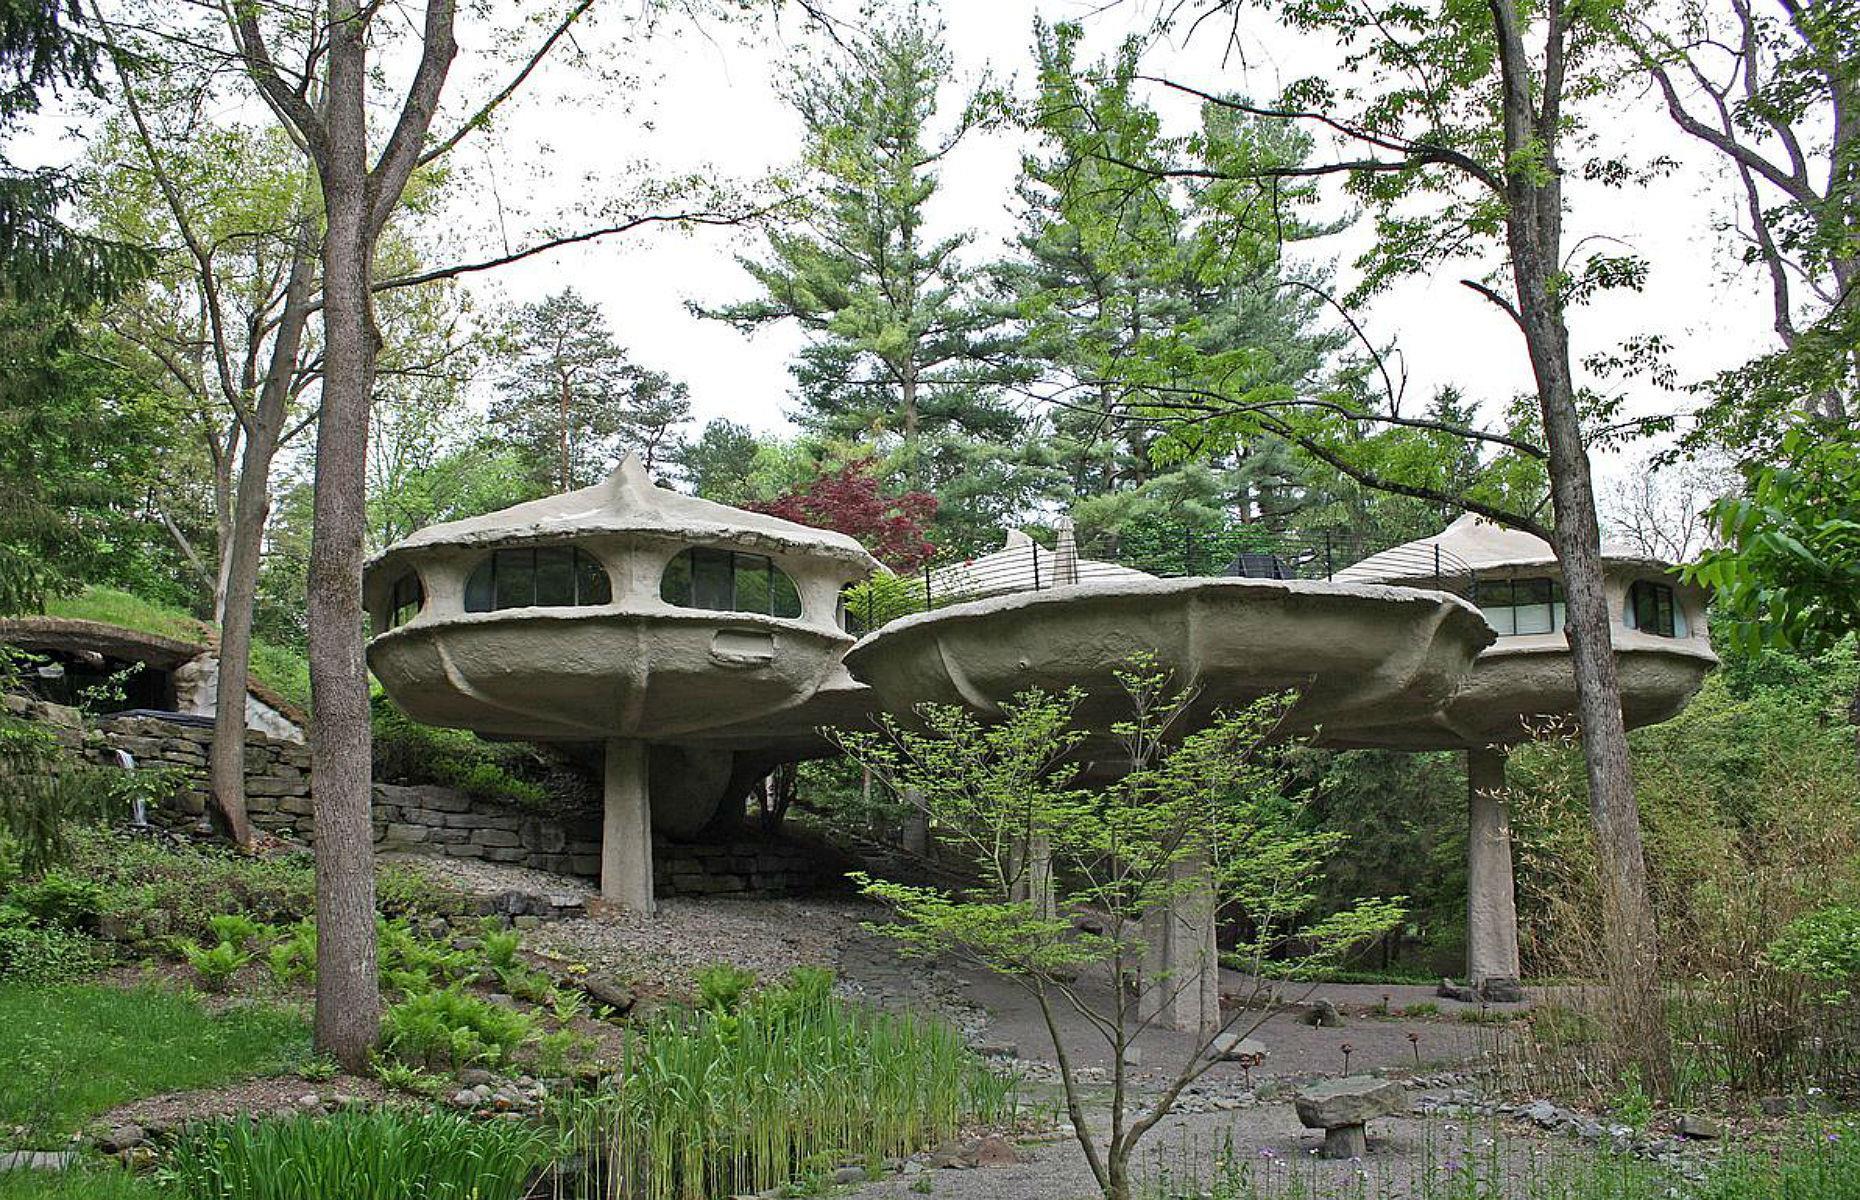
x: 726, y: 581
x: 1650, y: 609
x: 1520, y: 606
x: 404, y: 600
x: 537, y: 577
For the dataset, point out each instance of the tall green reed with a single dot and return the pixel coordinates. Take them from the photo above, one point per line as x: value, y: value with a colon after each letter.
x: 387, y: 1154
x: 787, y: 1084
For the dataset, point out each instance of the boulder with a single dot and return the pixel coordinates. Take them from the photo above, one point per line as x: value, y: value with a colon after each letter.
x: 1698, y: 1127
x: 1501, y: 991
x: 1323, y: 1015
x: 1231, y: 1047
x: 1351, y: 1100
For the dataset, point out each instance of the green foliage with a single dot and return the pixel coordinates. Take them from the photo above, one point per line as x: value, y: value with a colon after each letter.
x: 1788, y: 571
x: 59, y: 898
x: 83, y: 1182
x: 216, y: 965
x: 293, y: 959
x: 1823, y: 945
x: 500, y: 947
x: 44, y: 801
x: 162, y: 889
x: 69, y: 1053
x: 718, y: 1104
x: 240, y: 930
x: 449, y: 1027
x: 388, y: 1154
x: 721, y: 987
x: 406, y: 751
x: 280, y: 668
x: 46, y: 954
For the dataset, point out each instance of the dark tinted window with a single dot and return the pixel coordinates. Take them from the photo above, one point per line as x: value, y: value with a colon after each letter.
x: 727, y: 581
x: 1651, y: 607
x: 405, y: 599
x: 1520, y: 606
x: 537, y: 577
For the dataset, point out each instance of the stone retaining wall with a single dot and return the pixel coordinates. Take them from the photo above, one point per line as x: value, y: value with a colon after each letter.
x: 425, y: 818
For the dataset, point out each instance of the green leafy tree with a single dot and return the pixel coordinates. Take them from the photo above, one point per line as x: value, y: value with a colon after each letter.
x: 1194, y: 820
x: 720, y: 462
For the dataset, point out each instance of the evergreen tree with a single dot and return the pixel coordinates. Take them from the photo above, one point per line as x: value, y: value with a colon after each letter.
x: 571, y: 401
x: 901, y: 333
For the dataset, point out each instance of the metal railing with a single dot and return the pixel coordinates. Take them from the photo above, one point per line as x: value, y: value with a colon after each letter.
x: 1251, y: 552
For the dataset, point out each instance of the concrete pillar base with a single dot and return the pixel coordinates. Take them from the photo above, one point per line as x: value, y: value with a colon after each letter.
x: 1181, y: 964
x: 1491, y: 894
x: 626, y: 830
x: 1032, y: 866
x: 1345, y: 1141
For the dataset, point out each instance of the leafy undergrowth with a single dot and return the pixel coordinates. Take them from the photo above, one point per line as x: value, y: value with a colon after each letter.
x: 765, y: 1088
x: 283, y: 670
x: 71, y: 1052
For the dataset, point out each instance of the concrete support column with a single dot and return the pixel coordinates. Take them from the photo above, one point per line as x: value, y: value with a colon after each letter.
x: 626, y: 831
x: 916, y: 831
x: 1491, y: 897
x: 1181, y: 964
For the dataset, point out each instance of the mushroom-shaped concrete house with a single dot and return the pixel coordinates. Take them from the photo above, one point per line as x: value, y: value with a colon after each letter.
x: 623, y: 614
x: 1522, y: 685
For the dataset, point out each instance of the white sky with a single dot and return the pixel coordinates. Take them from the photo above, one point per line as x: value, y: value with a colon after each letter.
x: 711, y: 107
x: 705, y: 103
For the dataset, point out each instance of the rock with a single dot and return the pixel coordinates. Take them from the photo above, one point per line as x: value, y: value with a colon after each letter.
x: 845, y: 1175
x: 956, y: 1155
x: 604, y: 989
x: 1501, y: 991
x: 472, y: 1077
x: 119, y: 1138
x: 1698, y: 1127
x: 1449, y: 990
x: 1133, y: 1056
x: 1543, y: 1114
x: 1231, y: 1047
x: 997, y: 1151
x: 1323, y: 1015
x: 309, y: 1100
x: 1351, y: 1100
x: 997, y: 1049
x: 465, y: 1098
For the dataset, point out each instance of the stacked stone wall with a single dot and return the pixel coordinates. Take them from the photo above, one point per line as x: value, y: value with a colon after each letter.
x: 421, y: 819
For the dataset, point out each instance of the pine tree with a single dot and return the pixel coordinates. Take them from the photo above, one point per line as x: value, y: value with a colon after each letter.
x: 571, y: 401
x: 901, y: 333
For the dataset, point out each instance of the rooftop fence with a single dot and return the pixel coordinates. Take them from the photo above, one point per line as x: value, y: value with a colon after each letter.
x: 1246, y: 552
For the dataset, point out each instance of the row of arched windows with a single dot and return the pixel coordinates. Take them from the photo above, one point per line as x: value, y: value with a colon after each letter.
x: 569, y: 577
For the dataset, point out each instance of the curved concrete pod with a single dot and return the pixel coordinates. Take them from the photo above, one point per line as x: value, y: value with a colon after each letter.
x: 1363, y: 658
x: 607, y: 657
x: 1523, y: 687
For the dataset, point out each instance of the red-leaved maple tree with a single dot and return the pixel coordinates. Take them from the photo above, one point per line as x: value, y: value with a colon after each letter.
x: 849, y: 501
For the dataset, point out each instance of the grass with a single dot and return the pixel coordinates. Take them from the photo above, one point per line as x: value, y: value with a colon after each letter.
x: 72, y: 1052
x: 780, y: 1088
x: 387, y: 1154
x: 283, y: 670
x: 101, y: 1183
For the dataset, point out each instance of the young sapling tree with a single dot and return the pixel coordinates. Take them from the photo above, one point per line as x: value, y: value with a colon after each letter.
x: 1075, y: 884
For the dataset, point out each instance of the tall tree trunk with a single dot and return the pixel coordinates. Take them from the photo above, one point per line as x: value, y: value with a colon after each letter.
x: 1534, y: 228
x: 227, y: 757
x: 347, y: 998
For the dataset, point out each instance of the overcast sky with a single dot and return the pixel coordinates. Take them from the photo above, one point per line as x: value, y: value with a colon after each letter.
x: 709, y: 105
x: 704, y: 101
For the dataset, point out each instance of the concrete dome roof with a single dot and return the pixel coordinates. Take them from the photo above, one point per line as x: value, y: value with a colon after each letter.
x: 1476, y: 543
x: 629, y: 502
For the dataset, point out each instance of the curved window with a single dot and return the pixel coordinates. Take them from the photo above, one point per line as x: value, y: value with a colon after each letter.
x: 1652, y: 609
x: 404, y: 600
x: 727, y: 581
x: 1520, y: 606
x: 537, y: 577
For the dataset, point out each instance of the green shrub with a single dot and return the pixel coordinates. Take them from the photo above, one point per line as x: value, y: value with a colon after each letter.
x: 239, y: 930
x: 721, y: 987
x: 45, y: 954
x: 216, y: 965
x: 294, y: 958
x: 500, y: 946
x: 386, y: 1154
x: 450, y: 1027
x: 1823, y: 945
x: 59, y: 898
x: 406, y: 751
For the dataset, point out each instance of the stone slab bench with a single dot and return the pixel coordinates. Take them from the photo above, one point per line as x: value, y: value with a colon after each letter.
x: 1340, y: 1107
